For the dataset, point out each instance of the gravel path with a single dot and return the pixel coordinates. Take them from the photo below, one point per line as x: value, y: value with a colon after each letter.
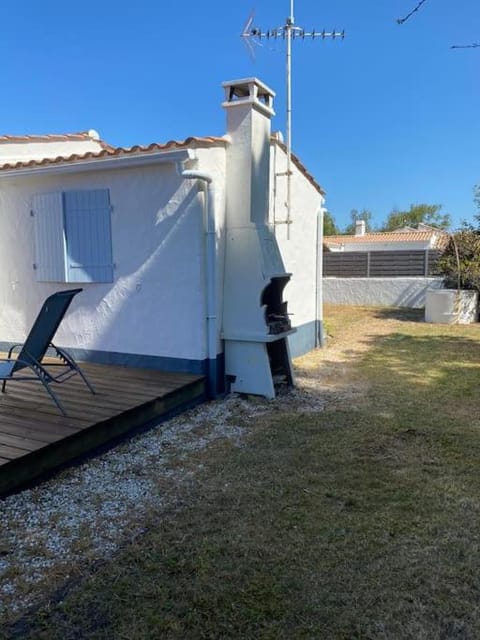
x: 57, y: 530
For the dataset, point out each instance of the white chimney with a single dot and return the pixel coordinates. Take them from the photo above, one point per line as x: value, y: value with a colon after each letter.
x: 255, y: 318
x: 360, y: 227
x: 249, y: 108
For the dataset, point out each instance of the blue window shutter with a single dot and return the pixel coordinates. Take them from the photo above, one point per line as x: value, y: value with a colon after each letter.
x: 89, y: 236
x: 49, y: 234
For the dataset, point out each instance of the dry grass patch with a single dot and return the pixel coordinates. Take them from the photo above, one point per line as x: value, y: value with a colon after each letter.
x: 351, y: 519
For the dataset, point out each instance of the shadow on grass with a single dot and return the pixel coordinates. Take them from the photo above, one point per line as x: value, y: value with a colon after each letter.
x: 434, y: 362
x: 400, y: 313
x: 348, y: 523
x: 425, y: 373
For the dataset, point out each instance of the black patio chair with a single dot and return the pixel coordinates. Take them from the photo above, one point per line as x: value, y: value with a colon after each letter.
x: 35, y: 347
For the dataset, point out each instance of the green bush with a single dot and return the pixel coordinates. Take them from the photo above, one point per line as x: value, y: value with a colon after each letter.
x: 460, y: 264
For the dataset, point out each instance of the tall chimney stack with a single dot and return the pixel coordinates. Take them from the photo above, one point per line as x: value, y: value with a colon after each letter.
x: 249, y: 108
x: 255, y: 317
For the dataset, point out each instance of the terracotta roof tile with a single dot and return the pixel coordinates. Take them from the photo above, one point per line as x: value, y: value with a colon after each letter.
x: 390, y: 236
x: 109, y: 152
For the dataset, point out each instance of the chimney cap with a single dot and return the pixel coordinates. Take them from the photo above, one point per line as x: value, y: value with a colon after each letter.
x: 251, y: 92
x: 242, y: 86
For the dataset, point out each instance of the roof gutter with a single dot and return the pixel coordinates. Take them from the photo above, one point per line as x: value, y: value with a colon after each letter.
x: 94, y: 164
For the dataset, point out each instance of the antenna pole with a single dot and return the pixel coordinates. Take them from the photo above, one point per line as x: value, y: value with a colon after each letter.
x: 288, y: 27
x: 287, y: 32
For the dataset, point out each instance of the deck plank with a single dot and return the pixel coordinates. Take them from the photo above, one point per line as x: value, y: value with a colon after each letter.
x: 22, y: 442
x: 11, y: 452
x: 43, y: 434
x: 36, y: 438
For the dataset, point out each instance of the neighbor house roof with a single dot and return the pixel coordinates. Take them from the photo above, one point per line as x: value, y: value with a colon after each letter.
x: 437, y: 237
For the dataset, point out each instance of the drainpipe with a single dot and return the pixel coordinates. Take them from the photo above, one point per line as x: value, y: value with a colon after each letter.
x: 211, y: 262
x: 319, y: 333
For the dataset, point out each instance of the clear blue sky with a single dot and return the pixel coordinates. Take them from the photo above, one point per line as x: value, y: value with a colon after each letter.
x: 388, y: 117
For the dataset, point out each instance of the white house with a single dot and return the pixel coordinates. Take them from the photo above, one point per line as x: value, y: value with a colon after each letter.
x: 407, y: 238
x: 181, y: 248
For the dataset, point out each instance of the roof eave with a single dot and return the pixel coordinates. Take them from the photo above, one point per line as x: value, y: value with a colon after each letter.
x: 92, y: 164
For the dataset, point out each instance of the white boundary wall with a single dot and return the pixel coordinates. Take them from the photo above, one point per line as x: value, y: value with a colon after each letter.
x: 389, y: 292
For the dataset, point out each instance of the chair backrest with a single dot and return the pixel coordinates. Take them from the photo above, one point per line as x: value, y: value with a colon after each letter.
x: 45, y: 326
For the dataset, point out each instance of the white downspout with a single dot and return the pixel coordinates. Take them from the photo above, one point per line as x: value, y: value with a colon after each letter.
x: 319, y: 332
x: 210, y: 276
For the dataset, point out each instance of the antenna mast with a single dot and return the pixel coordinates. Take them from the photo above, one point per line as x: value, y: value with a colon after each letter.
x: 287, y: 32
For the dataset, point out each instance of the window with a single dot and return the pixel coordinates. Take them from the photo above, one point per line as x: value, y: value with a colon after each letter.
x: 73, y: 236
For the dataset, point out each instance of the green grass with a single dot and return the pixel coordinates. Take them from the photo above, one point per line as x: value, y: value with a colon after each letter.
x: 359, y: 522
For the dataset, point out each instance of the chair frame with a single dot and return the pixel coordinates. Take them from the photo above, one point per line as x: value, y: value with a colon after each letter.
x: 38, y: 367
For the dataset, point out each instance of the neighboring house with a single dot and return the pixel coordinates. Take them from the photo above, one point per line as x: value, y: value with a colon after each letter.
x: 404, y: 239
x: 394, y: 268
x: 181, y: 248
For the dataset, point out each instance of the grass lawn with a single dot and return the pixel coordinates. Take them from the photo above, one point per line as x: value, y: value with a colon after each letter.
x: 359, y: 521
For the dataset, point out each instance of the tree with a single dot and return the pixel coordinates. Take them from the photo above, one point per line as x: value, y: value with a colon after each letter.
x: 476, y: 199
x: 356, y: 215
x: 417, y: 214
x: 460, y: 263
x: 474, y: 226
x: 329, y: 226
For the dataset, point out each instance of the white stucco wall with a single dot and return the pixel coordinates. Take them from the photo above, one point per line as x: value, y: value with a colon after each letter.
x: 299, y: 251
x: 390, y: 292
x: 156, y: 304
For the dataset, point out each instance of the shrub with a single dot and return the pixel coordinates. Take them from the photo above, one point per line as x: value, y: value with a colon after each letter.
x: 460, y: 264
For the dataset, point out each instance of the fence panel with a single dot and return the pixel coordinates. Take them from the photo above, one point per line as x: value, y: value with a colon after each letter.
x: 384, y: 264
x: 380, y: 264
x: 346, y: 265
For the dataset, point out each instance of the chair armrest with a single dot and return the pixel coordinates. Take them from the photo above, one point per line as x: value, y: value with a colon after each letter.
x: 12, y: 349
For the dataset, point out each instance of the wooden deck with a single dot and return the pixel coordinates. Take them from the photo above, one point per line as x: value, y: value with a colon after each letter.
x: 35, y: 438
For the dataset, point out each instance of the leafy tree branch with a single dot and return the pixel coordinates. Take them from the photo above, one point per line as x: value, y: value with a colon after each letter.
x: 329, y: 225
x: 428, y: 214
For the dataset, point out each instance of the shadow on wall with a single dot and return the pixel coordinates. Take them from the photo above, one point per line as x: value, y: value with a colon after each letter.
x: 397, y: 292
x: 161, y: 268
x: 413, y: 295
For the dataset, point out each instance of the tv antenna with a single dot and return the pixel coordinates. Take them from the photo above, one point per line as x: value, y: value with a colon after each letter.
x: 288, y: 32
